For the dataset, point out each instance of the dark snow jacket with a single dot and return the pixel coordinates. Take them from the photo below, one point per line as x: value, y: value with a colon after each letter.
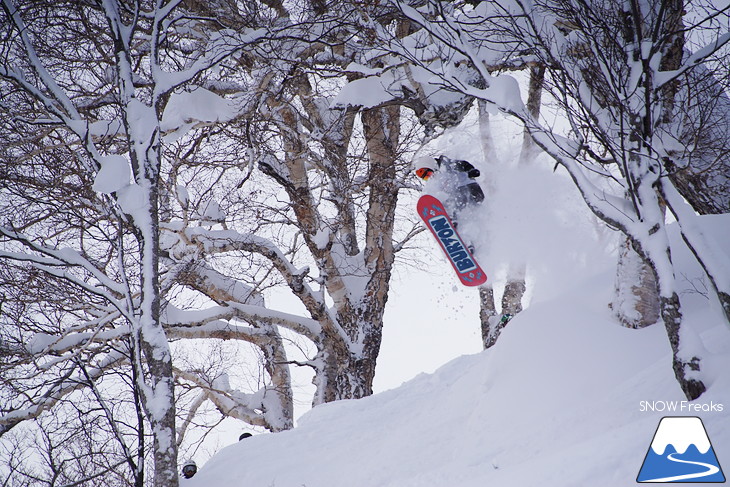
x: 457, y: 179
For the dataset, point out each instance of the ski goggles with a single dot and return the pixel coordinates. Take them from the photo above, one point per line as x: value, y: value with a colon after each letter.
x: 424, y: 173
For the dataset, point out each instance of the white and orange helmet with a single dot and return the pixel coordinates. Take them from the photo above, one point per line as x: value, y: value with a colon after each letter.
x: 425, y: 166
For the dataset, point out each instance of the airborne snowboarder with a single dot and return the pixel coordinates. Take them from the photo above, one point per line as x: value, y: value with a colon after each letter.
x: 453, y: 180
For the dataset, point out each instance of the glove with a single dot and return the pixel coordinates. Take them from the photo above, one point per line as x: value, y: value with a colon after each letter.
x: 473, y: 173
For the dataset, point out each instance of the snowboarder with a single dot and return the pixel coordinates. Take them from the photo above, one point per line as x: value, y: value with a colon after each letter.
x: 189, y: 469
x: 455, y: 178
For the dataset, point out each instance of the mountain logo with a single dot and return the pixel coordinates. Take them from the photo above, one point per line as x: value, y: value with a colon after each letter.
x: 681, y: 452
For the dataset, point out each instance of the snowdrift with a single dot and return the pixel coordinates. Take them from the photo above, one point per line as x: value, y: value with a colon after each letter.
x: 566, y: 398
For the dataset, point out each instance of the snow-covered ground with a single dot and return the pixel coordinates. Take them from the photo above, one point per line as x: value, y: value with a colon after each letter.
x: 564, y: 399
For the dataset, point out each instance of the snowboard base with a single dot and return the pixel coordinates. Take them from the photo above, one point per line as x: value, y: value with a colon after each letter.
x: 434, y: 215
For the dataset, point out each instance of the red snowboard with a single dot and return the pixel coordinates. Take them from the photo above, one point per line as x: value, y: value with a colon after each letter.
x: 434, y: 215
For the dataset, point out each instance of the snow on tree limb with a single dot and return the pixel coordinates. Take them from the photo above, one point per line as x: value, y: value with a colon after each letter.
x: 713, y: 258
x: 229, y: 240
x: 214, y: 320
x: 64, y: 256
x: 55, y: 392
x: 249, y: 407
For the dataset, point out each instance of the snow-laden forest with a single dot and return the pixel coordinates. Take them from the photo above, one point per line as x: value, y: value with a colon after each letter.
x: 207, y: 222
x: 564, y: 398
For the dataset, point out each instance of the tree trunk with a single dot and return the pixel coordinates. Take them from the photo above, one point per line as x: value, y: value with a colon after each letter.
x: 354, y: 377
x: 348, y: 373
x: 487, y: 314
x: 276, y: 364
x: 534, y: 97
x: 683, y: 367
x: 485, y: 133
x: 350, y: 367
x: 159, y: 395
x: 636, y: 300
x: 514, y: 290
x: 487, y: 306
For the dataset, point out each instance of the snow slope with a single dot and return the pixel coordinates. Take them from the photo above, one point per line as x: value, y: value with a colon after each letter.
x: 563, y: 399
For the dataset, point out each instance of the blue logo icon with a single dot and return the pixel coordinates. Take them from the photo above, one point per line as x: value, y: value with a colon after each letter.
x: 681, y: 452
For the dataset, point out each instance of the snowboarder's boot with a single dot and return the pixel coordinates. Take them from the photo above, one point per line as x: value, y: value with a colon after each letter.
x: 505, y: 319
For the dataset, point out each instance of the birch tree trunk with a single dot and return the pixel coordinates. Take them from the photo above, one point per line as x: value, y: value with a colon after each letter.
x: 158, y: 391
x: 144, y: 148
x: 636, y: 301
x: 487, y: 306
x: 362, y: 318
x: 515, y: 287
x: 489, y: 327
x: 355, y: 266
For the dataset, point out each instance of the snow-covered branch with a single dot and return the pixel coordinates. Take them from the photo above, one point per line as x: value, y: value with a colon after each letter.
x: 61, y: 257
x: 714, y: 259
x: 214, y: 322
x: 72, y: 380
x: 229, y: 240
x: 233, y: 403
